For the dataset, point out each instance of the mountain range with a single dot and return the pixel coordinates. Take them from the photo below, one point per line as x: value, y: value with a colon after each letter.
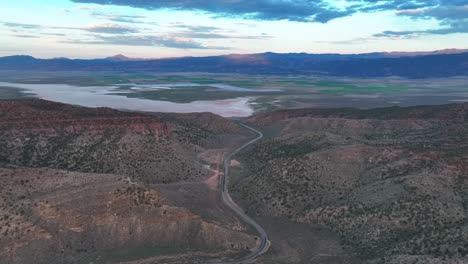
x: 444, y: 63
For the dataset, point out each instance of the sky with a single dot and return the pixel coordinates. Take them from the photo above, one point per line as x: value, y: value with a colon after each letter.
x: 175, y: 28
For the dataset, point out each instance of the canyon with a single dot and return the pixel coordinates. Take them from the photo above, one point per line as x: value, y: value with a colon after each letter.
x: 338, y: 185
x: 83, y: 185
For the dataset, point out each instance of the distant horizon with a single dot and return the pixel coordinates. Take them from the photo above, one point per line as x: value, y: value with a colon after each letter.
x: 396, y: 52
x: 171, y: 29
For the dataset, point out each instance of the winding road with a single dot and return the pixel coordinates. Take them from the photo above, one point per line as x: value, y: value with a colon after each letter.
x: 227, y: 200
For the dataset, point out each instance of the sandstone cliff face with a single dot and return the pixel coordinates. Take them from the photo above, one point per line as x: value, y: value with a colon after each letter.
x: 41, y: 115
x: 393, y: 184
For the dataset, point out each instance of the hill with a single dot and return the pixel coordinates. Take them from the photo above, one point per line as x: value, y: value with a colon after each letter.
x: 412, y: 65
x: 391, y: 182
x: 83, y: 185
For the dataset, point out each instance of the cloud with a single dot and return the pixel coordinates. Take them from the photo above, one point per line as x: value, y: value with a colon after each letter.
x: 347, y: 42
x: 452, y: 19
x: 87, y: 7
x: 197, y: 28
x: 111, y: 29
x: 114, y: 34
x: 453, y: 28
x: 54, y: 34
x: 210, y: 32
x: 202, y: 35
x: 21, y: 25
x: 102, y: 28
x: 25, y: 36
x: 131, y: 19
x: 295, y: 10
x: 148, y: 40
x: 438, y: 12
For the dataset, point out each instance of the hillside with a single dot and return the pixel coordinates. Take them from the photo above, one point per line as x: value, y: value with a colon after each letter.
x: 54, y: 216
x: 412, y: 65
x: 102, y: 140
x: 392, y: 183
x: 83, y: 185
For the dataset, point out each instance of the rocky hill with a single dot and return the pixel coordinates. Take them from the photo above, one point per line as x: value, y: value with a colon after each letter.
x: 54, y: 216
x: 203, y: 129
x: 37, y: 133
x: 391, y: 182
x: 450, y: 112
x: 88, y: 185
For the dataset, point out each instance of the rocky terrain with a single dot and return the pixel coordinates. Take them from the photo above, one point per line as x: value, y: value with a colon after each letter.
x: 38, y: 133
x: 82, y: 185
x: 54, y: 216
x: 392, y: 183
x: 203, y: 129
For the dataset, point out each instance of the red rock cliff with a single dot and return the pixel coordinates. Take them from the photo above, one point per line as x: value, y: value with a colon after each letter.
x: 40, y: 115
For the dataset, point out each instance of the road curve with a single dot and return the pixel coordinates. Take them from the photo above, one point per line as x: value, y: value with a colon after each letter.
x: 227, y: 200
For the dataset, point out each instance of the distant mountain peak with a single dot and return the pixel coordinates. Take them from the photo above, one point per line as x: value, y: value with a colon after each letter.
x: 61, y: 58
x: 119, y: 57
x: 20, y: 56
x: 444, y: 63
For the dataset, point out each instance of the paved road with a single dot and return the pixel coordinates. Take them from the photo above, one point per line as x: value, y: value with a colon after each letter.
x: 227, y: 200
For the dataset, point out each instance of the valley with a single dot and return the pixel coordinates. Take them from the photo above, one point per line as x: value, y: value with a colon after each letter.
x: 228, y: 95
x: 234, y: 132
x: 300, y: 155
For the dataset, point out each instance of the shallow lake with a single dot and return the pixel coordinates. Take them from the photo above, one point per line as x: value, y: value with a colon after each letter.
x: 102, y: 96
x: 178, y: 85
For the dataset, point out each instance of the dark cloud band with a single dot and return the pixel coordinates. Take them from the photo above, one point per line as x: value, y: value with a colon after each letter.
x: 293, y: 10
x: 453, y: 19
